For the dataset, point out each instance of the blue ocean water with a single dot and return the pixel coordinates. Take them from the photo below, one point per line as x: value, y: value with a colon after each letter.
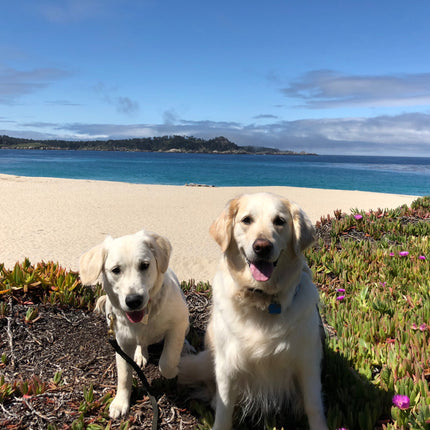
x: 399, y: 175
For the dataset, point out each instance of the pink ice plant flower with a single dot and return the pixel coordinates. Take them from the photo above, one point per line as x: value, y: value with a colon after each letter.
x: 422, y: 257
x: 422, y: 327
x: 402, y: 402
x: 340, y: 290
x: 403, y: 253
x: 391, y: 254
x: 358, y: 216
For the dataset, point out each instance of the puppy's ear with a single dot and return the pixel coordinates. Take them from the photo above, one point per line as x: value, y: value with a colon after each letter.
x: 91, y: 264
x: 303, y: 230
x: 100, y: 307
x: 222, y: 228
x: 162, y: 249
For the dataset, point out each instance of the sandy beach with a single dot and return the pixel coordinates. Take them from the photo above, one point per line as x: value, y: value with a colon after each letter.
x: 57, y: 220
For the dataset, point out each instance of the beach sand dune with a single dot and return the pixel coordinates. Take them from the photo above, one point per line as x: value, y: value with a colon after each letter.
x: 47, y: 219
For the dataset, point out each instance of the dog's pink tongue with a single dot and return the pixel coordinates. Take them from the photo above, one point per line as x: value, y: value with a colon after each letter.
x: 136, y: 316
x: 261, y: 271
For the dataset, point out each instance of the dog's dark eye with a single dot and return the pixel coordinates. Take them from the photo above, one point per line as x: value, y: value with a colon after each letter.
x: 143, y: 265
x: 116, y: 270
x: 279, y: 221
x: 247, y: 220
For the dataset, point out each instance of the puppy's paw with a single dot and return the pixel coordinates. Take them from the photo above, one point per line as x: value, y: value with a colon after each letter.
x: 119, y: 406
x: 141, y: 356
x: 168, y: 370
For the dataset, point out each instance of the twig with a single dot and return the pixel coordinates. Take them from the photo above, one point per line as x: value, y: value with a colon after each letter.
x: 10, y: 336
x: 105, y: 373
x: 43, y: 417
x: 32, y: 336
x: 64, y: 317
x: 171, y: 417
x: 7, y: 412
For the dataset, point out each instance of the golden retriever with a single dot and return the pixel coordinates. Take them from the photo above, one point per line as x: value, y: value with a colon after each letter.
x: 263, y: 342
x: 144, y: 297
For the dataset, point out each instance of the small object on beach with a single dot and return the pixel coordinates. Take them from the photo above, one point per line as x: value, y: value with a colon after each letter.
x: 191, y: 184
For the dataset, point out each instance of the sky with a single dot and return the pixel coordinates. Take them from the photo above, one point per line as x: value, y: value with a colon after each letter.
x: 324, y: 76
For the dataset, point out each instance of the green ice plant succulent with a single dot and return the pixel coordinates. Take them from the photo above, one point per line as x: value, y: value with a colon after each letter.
x: 375, y: 291
x: 21, y: 388
x: 50, y: 282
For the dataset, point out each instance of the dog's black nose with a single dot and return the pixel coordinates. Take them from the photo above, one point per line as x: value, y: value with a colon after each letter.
x: 262, y: 248
x: 134, y: 301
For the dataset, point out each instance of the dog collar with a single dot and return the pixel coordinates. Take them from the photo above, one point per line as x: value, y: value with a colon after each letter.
x: 274, y: 307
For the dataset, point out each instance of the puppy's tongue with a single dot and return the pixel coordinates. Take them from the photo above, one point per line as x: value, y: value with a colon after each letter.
x: 262, y: 270
x: 135, y: 316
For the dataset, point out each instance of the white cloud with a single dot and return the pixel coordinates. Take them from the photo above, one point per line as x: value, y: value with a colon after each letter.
x: 66, y: 11
x: 122, y: 104
x: 406, y: 135
x: 126, y: 105
x: 62, y: 103
x: 170, y: 117
x: 265, y: 116
x: 15, y: 83
x: 323, y: 89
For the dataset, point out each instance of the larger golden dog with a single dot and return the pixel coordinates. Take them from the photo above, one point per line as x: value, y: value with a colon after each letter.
x: 263, y: 342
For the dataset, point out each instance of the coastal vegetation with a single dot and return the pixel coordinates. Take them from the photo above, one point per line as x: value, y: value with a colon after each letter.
x: 373, y: 275
x: 218, y: 145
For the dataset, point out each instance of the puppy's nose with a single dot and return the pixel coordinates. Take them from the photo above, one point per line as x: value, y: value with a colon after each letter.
x: 134, y: 301
x: 262, y: 247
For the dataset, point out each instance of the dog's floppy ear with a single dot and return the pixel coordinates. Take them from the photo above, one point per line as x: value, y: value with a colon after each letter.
x: 222, y: 228
x: 303, y: 230
x: 100, y: 307
x: 162, y: 249
x: 91, y: 263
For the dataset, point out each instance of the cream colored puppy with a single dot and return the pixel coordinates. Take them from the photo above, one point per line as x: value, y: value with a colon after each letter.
x: 263, y: 342
x: 144, y: 297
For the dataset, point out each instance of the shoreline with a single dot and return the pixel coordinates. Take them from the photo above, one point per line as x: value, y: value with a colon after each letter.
x: 51, y: 219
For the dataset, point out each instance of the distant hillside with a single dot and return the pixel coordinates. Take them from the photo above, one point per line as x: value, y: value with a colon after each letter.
x: 149, y: 144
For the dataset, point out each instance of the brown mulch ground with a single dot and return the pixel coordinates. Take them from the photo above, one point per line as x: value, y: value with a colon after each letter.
x: 75, y: 343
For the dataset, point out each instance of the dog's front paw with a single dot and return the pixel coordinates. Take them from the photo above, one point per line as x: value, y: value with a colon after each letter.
x: 119, y: 406
x: 141, y: 356
x: 166, y: 369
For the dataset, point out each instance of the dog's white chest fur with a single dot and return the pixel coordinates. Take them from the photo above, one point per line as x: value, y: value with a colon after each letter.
x: 252, y: 336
